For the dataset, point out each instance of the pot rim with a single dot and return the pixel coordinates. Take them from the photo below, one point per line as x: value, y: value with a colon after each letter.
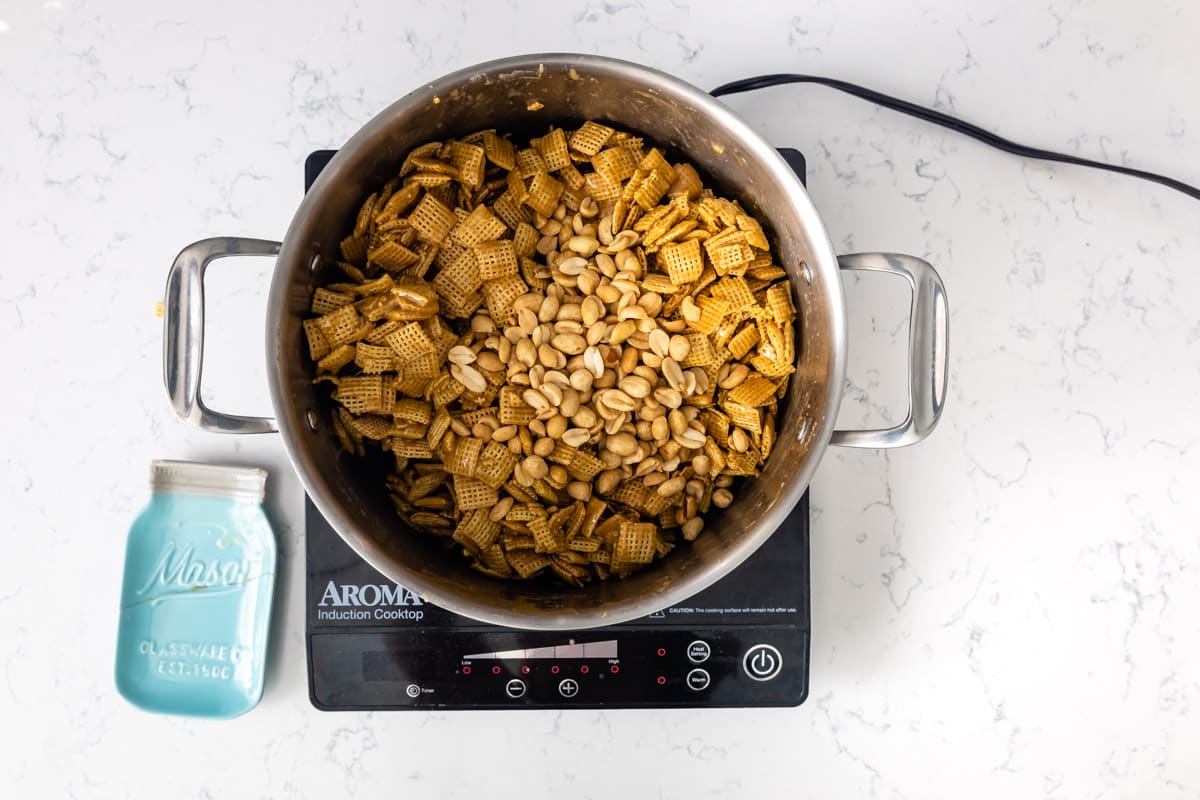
x: 294, y: 252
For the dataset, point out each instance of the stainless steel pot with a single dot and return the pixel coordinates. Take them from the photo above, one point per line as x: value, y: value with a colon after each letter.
x: 523, y: 94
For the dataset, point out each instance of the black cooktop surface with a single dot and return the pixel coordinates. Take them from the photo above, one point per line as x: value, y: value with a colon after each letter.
x: 373, y: 645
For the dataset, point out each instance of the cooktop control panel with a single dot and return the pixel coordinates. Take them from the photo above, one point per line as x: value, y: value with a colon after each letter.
x: 742, y: 642
x: 626, y: 668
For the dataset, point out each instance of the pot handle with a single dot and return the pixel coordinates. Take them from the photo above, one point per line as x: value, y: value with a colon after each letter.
x: 183, y: 333
x: 928, y: 364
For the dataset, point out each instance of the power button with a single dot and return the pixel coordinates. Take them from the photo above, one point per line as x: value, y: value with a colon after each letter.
x: 762, y: 662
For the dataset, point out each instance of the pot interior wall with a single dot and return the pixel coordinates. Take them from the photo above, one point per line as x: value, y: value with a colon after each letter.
x: 562, y: 90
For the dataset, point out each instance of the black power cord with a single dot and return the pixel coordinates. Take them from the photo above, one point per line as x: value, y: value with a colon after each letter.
x: 947, y: 121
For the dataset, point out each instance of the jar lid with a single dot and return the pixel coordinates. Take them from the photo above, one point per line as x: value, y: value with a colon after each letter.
x: 193, y: 477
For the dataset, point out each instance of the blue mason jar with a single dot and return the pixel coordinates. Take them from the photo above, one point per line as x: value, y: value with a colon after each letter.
x: 196, y: 595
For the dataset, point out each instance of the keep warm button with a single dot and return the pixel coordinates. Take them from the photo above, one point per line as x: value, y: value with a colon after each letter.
x: 698, y: 680
x: 762, y: 662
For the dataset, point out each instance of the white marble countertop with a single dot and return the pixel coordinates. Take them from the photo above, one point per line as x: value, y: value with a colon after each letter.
x: 1007, y: 610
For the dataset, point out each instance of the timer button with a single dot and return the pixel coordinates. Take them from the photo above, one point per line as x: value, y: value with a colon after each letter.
x: 762, y: 662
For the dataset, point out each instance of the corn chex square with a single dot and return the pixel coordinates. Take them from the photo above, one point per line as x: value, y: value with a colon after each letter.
x: 475, y: 528
x: 410, y: 341
x: 499, y: 151
x: 340, y: 325
x: 411, y: 448
x: 651, y: 190
x: 584, y: 466
x: 635, y: 544
x: 337, y: 358
x: 481, y: 225
x: 602, y: 188
x: 545, y: 538
x: 497, y: 259
x: 393, y: 256
x: 318, y: 345
x: 744, y: 417
x: 544, y: 192
x: 553, y: 149
x: 432, y: 220
x: 511, y: 210
x: 779, y: 303
x: 495, y: 464
x: 525, y: 240
x: 513, y: 409
x: 325, y: 301
x: 752, y: 392
x: 468, y: 160
x: 702, y: 353
x: 361, y: 394
x: 471, y: 493
x: 616, y: 163
x: 354, y: 249
x: 500, y: 295
x: 526, y: 563
x: 444, y: 390
x: 682, y: 262
x: 653, y: 161
x: 374, y: 359
x: 590, y: 138
x: 712, y: 311
x: 735, y: 291
x: 743, y: 342
x: 530, y: 163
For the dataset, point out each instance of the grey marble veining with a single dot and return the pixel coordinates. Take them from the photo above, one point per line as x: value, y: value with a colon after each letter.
x: 1007, y: 610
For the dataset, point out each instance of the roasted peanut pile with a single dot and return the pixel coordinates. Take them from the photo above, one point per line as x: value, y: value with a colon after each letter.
x: 572, y: 349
